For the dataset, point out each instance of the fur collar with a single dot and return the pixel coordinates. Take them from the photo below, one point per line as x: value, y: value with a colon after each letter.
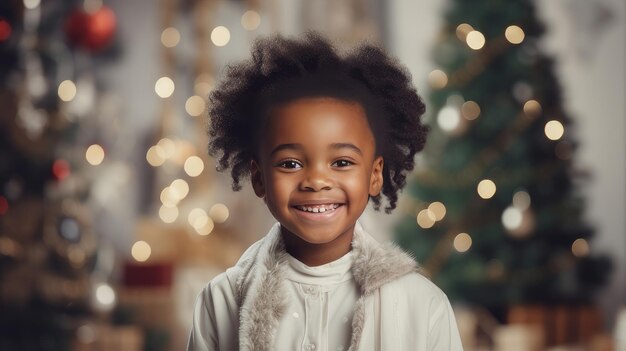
x: 262, y: 299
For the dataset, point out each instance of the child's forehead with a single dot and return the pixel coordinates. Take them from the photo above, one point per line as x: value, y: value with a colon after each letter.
x: 319, y: 123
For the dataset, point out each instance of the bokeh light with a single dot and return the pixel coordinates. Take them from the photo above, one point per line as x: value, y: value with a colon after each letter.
x: 94, y: 154
x: 141, y: 251
x: 475, y: 40
x: 554, y: 130
x: 514, y: 34
x: 153, y: 157
x: 67, y: 90
x: 521, y: 200
x: 532, y: 108
x: 31, y: 4
x: 437, y: 79
x: 470, y: 110
x: 219, y: 213
x: 462, y: 242
x: 250, y: 20
x: 438, y: 210
x: 448, y: 118
x: 425, y: 218
x: 170, y: 37
x: 168, y: 214
x: 164, y: 87
x: 462, y: 30
x: 512, y: 218
x: 580, y: 248
x: 195, y: 106
x: 220, y: 36
x: 194, y: 166
x: 486, y: 188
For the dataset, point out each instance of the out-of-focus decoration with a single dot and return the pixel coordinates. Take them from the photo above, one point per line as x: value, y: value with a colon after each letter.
x: 500, y: 161
x: 519, y: 337
x: 55, y: 267
x: 620, y: 330
x: 559, y: 324
x: 92, y: 29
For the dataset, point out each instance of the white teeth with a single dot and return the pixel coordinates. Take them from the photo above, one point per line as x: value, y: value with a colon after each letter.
x: 319, y: 209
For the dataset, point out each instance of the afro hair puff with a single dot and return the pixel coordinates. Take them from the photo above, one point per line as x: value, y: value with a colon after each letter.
x: 282, y: 69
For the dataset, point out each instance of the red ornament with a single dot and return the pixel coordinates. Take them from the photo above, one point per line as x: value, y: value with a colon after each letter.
x: 5, y: 30
x: 92, y: 31
x: 4, y: 205
x: 60, y: 169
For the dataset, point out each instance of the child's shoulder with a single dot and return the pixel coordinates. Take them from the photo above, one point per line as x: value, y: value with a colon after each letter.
x: 415, y: 284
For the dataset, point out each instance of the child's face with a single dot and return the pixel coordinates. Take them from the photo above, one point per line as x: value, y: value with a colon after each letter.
x: 317, y: 151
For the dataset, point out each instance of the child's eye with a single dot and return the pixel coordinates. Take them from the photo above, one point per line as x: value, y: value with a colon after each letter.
x: 290, y: 164
x: 342, y: 163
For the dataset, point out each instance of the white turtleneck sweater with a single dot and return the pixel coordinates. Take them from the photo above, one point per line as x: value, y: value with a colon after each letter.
x: 321, y: 306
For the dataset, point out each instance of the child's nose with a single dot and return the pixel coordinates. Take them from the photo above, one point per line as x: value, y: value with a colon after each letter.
x: 316, y: 179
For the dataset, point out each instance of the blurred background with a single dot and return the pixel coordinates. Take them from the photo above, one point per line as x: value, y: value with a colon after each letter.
x: 113, y: 218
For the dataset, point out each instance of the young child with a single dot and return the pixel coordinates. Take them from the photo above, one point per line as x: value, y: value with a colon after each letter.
x: 319, y: 135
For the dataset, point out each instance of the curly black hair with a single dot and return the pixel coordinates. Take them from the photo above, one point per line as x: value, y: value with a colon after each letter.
x: 283, y: 69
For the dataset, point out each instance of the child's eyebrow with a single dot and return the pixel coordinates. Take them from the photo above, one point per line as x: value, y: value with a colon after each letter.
x: 346, y: 145
x: 294, y: 146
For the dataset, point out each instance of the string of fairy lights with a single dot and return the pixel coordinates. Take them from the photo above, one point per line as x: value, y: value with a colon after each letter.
x: 169, y: 151
x: 180, y: 154
x: 455, y: 117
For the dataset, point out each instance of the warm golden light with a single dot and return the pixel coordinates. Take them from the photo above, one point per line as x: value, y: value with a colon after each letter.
x: 195, y: 106
x: 94, y: 154
x: 220, y: 36
x: 470, y: 110
x: 554, y: 130
x: 250, y: 20
x: 164, y: 87
x: 580, y: 248
x: 168, y: 214
x: 197, y: 218
x: 449, y: 118
x: 179, y: 189
x: 462, y: 242
x: 532, y: 108
x: 31, y: 4
x: 426, y: 219
x: 521, y: 200
x: 462, y: 30
x: 514, y: 34
x: 170, y: 37
x: 438, y: 210
x: 194, y: 166
x: 203, y: 84
x: 165, y: 148
x: 437, y: 79
x: 512, y: 218
x: 104, y: 295
x: 219, y: 213
x: 205, y: 229
x: 486, y: 188
x: 153, y: 157
x: 67, y: 90
x: 475, y: 40
x: 168, y: 198
x: 141, y: 251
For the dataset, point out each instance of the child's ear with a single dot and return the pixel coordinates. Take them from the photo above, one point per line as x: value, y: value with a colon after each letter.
x: 256, y: 178
x: 376, y: 179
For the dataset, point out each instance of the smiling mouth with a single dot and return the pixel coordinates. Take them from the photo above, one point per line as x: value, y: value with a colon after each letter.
x: 318, y: 208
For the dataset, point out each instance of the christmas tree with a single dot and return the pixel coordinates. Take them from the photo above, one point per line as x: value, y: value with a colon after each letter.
x: 52, y: 279
x: 500, y: 217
